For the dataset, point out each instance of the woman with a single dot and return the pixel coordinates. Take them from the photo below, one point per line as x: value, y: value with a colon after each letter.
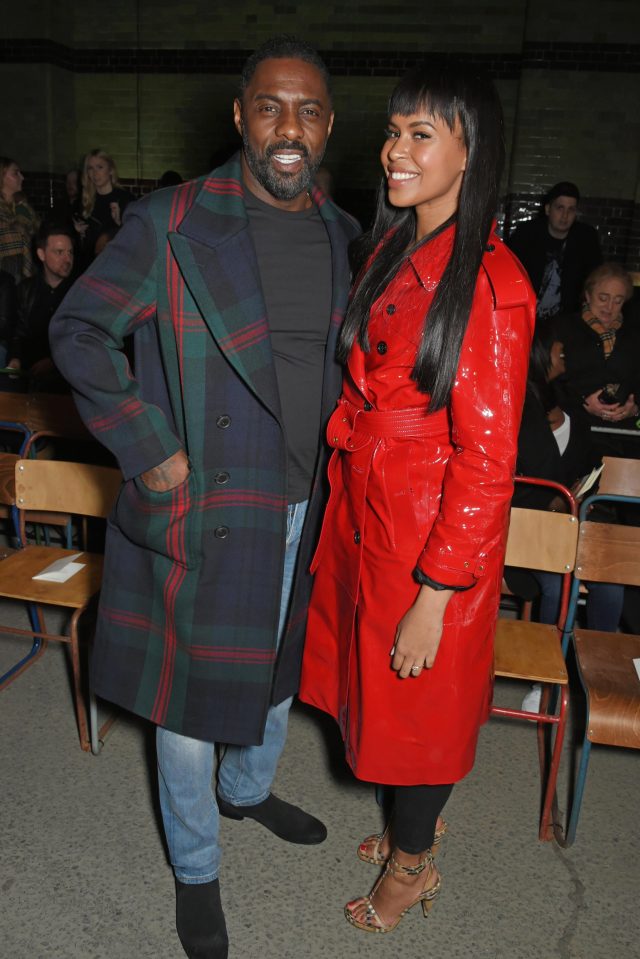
x: 18, y: 223
x: 601, y: 350
x: 409, y: 564
x: 556, y: 446
x: 102, y: 203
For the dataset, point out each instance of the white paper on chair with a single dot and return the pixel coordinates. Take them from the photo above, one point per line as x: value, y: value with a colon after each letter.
x: 636, y: 663
x: 62, y: 570
x: 588, y: 481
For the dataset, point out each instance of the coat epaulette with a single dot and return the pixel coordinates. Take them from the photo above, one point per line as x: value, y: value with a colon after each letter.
x: 507, y: 277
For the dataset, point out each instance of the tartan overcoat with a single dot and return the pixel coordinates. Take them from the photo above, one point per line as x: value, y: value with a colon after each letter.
x: 188, y: 614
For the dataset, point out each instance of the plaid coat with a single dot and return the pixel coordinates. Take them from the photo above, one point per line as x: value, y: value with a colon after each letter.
x: 190, y: 598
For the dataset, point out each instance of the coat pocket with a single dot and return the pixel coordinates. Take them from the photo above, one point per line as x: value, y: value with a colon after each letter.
x: 161, y: 522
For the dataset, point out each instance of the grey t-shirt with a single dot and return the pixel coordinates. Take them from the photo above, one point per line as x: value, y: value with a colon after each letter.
x: 294, y: 260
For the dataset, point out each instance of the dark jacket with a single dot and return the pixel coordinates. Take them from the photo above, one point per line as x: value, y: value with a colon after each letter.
x: 7, y: 306
x: 539, y: 455
x: 581, y: 255
x: 36, y: 304
x: 190, y: 600
x: 587, y: 370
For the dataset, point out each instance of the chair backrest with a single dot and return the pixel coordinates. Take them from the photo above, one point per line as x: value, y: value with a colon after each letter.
x: 61, y: 487
x: 608, y: 553
x: 619, y: 477
x: 539, y: 539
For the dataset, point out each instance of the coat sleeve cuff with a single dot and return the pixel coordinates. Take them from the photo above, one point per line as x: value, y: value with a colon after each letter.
x: 456, y: 572
x: 425, y: 580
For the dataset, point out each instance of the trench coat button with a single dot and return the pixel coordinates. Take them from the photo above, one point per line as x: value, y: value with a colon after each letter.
x: 490, y: 247
x: 391, y: 309
x: 382, y: 347
x: 466, y: 565
x: 223, y: 422
x: 222, y: 478
x: 221, y: 532
x: 356, y: 537
x: 367, y: 406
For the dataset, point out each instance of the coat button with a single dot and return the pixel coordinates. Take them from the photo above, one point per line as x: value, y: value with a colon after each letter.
x: 391, y: 309
x: 356, y: 537
x: 382, y: 347
x: 222, y: 478
x: 367, y: 406
x: 221, y: 532
x: 223, y: 422
x: 490, y: 247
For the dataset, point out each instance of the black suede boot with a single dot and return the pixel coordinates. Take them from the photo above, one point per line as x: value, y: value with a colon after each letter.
x: 200, y: 920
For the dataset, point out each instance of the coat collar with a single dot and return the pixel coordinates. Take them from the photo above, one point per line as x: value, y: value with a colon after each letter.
x: 213, y: 247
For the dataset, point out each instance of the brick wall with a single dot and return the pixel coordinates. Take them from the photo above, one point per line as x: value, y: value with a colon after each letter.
x: 152, y: 82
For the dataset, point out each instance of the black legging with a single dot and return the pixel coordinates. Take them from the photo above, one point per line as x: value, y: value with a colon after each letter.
x: 415, y: 814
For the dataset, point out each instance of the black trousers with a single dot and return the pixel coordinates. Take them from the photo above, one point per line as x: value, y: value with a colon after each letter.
x: 415, y: 813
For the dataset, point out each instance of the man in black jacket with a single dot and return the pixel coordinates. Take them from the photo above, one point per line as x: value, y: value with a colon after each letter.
x: 557, y: 251
x: 38, y: 297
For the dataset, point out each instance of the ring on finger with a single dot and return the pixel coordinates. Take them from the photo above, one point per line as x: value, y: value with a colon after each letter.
x: 416, y: 668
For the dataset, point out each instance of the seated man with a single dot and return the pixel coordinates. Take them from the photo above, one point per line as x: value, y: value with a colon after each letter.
x: 557, y: 251
x: 38, y: 298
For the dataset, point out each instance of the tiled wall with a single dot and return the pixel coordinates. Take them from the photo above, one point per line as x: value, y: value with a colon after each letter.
x: 152, y: 82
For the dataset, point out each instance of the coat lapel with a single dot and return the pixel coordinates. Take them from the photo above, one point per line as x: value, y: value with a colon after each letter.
x: 217, y: 259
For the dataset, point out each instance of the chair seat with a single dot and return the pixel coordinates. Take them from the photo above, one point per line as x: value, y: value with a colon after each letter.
x: 530, y: 651
x: 612, y: 684
x: 17, y: 570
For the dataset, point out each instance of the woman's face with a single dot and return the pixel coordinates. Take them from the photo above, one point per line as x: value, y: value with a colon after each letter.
x: 99, y: 172
x: 606, y: 300
x: 556, y: 361
x: 12, y: 181
x: 424, y: 162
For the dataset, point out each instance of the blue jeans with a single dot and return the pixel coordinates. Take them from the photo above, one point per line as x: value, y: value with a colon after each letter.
x: 604, y: 602
x: 186, y: 766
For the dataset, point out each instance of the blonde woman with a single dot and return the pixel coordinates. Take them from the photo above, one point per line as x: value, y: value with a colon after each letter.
x: 102, y: 201
x: 18, y: 223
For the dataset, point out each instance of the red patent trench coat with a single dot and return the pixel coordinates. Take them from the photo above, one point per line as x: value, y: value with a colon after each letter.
x: 415, y: 489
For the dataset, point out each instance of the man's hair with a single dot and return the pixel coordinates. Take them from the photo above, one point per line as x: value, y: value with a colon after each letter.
x: 50, y: 228
x: 564, y: 188
x: 285, y: 46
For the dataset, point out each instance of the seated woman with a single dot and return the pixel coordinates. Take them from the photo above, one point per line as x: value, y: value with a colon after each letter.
x: 102, y: 203
x: 602, y: 377
x: 18, y: 223
x: 556, y: 446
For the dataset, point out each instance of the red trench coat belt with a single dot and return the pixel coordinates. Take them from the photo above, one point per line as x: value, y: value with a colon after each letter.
x: 351, y: 428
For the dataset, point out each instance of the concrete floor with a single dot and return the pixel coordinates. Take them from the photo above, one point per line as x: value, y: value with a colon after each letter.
x: 84, y: 873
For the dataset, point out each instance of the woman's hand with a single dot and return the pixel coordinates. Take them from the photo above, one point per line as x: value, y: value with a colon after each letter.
x: 419, y: 632
x: 604, y: 411
x: 80, y: 226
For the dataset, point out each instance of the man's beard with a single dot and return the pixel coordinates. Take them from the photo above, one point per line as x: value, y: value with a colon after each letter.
x: 281, y: 186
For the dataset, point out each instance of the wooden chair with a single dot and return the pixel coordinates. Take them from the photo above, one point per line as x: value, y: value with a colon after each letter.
x: 619, y: 477
x: 532, y: 651
x: 606, y: 553
x: 58, y: 487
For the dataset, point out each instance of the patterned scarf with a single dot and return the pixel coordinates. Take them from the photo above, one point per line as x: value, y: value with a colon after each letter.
x: 607, y: 334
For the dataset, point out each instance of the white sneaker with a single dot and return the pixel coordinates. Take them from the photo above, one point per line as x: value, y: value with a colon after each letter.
x: 531, y: 702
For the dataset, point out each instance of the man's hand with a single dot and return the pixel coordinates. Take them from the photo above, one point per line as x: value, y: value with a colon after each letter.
x: 419, y: 632
x: 166, y: 476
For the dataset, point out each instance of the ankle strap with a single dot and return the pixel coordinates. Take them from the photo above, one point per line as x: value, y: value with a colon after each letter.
x: 396, y: 866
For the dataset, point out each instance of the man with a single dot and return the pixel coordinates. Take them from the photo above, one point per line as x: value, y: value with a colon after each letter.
x: 38, y: 297
x: 233, y: 287
x: 557, y: 251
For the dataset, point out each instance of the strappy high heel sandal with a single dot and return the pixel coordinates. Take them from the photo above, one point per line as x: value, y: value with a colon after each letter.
x: 372, y: 921
x: 369, y: 848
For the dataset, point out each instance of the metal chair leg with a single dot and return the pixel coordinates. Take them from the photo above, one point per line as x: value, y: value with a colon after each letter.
x: 546, y: 824
x: 38, y: 648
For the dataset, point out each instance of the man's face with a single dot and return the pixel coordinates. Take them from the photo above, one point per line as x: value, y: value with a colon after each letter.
x: 561, y: 215
x: 57, y: 259
x: 285, y: 119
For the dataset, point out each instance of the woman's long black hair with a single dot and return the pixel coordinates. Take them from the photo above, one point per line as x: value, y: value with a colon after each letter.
x: 450, y: 93
x: 545, y: 335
